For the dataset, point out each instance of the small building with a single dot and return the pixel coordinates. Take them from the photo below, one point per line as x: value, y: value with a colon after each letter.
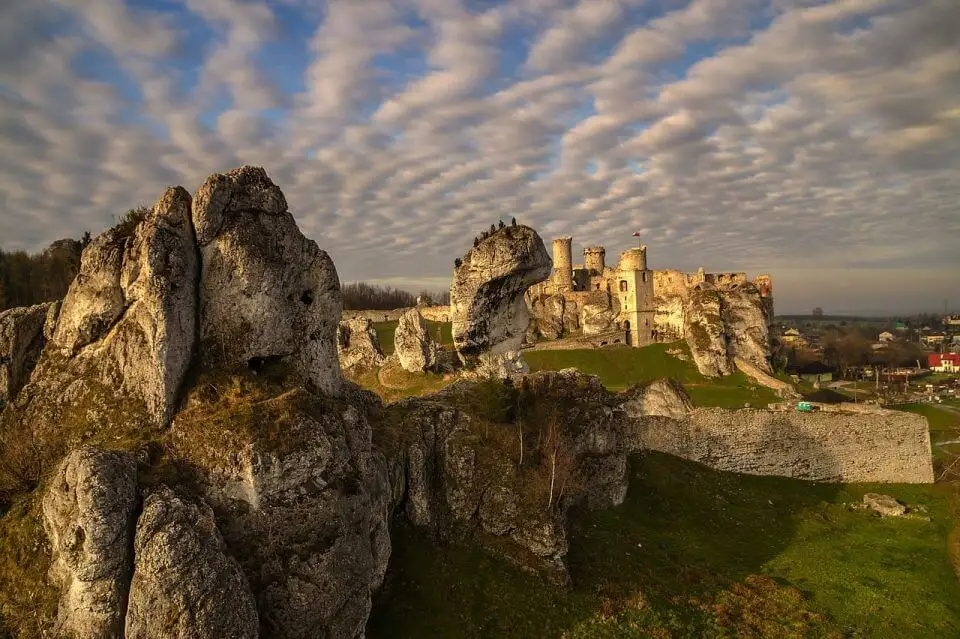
x: 899, y: 326
x: 944, y: 362
x: 887, y: 337
x: 814, y: 372
x: 792, y: 337
x: 933, y: 339
x: 951, y: 320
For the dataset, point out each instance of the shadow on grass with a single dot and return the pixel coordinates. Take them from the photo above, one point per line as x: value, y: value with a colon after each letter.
x: 681, y: 557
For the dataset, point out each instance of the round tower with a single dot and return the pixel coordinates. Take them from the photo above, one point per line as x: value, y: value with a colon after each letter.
x: 634, y: 259
x: 594, y: 259
x: 562, y: 264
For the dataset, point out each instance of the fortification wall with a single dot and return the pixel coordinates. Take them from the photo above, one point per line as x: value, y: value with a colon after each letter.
x: 670, y: 283
x: 883, y: 446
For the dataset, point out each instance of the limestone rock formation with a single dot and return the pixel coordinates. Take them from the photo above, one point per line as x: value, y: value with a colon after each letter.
x: 487, y: 304
x: 501, y: 365
x: 885, y: 505
x: 21, y: 342
x: 358, y: 346
x: 660, y: 398
x: 125, y: 333
x: 89, y: 511
x: 745, y: 324
x: 267, y: 292
x: 596, y: 319
x: 549, y: 313
x: 303, y: 501
x: 704, y: 332
x: 414, y: 349
x: 185, y: 585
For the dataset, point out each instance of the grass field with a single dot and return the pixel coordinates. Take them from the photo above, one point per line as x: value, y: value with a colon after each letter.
x: 618, y: 368
x: 699, y: 553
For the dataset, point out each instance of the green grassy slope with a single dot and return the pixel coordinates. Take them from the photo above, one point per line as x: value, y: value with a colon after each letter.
x: 697, y: 552
x: 618, y: 368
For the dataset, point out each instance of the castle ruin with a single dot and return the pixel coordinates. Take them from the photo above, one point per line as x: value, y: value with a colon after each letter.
x: 646, y: 305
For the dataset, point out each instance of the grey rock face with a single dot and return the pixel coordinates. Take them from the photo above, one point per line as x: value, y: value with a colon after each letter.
x: 721, y: 324
x: 358, y: 345
x: 307, y: 514
x: 487, y: 306
x: 21, y: 342
x: 500, y: 365
x: 267, y: 292
x: 745, y: 324
x: 886, y: 505
x: 660, y: 398
x: 88, y: 514
x: 705, y: 334
x: 185, y: 585
x: 596, y: 319
x: 415, y: 350
x: 129, y: 317
x: 549, y: 313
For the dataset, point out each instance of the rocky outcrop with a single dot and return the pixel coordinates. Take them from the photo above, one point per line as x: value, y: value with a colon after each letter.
x: 88, y: 513
x: 21, y: 342
x: 721, y: 324
x: 705, y: 334
x: 500, y: 366
x: 884, y: 505
x: 660, y: 398
x: 487, y: 304
x: 304, y: 503
x: 745, y: 324
x: 123, y: 341
x: 413, y: 347
x: 358, y: 346
x: 596, y: 319
x: 466, y: 476
x: 548, y: 310
x: 267, y: 292
x: 185, y: 585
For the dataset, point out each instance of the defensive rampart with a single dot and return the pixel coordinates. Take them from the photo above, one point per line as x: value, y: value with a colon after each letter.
x: 882, y: 446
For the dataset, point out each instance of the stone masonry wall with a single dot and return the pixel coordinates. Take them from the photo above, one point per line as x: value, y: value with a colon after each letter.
x: 884, y: 446
x: 430, y: 313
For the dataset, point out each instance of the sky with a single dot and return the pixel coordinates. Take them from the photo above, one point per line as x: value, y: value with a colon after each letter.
x: 818, y: 141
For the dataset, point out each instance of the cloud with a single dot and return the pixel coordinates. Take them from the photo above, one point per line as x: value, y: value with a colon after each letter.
x: 813, y: 136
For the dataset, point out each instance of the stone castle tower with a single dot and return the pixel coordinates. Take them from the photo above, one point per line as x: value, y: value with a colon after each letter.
x: 634, y: 294
x: 563, y: 264
x: 594, y: 259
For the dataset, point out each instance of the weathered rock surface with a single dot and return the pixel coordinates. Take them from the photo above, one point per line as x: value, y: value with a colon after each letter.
x: 185, y: 585
x: 89, y: 511
x: 745, y: 325
x: 596, y: 319
x: 501, y: 366
x: 305, y: 511
x: 660, y: 398
x: 487, y: 305
x: 358, y: 346
x: 267, y: 292
x: 549, y: 313
x: 704, y: 332
x: 413, y: 347
x: 886, y: 505
x: 125, y: 333
x: 21, y: 342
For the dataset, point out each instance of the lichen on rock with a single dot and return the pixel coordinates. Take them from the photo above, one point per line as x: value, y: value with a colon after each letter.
x: 416, y: 352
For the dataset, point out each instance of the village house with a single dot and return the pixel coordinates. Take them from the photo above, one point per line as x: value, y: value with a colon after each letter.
x: 944, y: 362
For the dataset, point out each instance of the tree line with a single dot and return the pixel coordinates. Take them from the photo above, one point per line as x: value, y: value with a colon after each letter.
x: 361, y: 296
x: 27, y: 279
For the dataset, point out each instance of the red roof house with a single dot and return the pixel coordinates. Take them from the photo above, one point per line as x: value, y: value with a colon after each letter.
x: 944, y: 362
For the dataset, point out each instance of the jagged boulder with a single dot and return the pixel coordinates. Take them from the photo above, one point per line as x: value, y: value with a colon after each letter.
x: 414, y: 349
x: 358, y: 346
x: 745, y: 324
x: 596, y: 319
x: 267, y: 292
x: 21, y: 342
x: 185, y: 584
x: 705, y: 333
x: 304, y: 502
x: 125, y: 333
x: 659, y: 398
x: 549, y: 313
x: 500, y: 366
x: 487, y: 304
x: 88, y: 512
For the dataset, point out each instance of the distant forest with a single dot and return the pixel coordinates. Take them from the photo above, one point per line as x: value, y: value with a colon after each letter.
x: 27, y: 279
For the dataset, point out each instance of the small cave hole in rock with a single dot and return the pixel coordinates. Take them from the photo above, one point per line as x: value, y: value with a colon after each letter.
x: 261, y: 364
x: 307, y: 297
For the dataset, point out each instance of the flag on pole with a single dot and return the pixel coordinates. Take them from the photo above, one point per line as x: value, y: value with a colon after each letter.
x: 637, y: 234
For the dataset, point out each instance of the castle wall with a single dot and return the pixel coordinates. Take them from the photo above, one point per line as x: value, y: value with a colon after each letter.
x: 883, y: 446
